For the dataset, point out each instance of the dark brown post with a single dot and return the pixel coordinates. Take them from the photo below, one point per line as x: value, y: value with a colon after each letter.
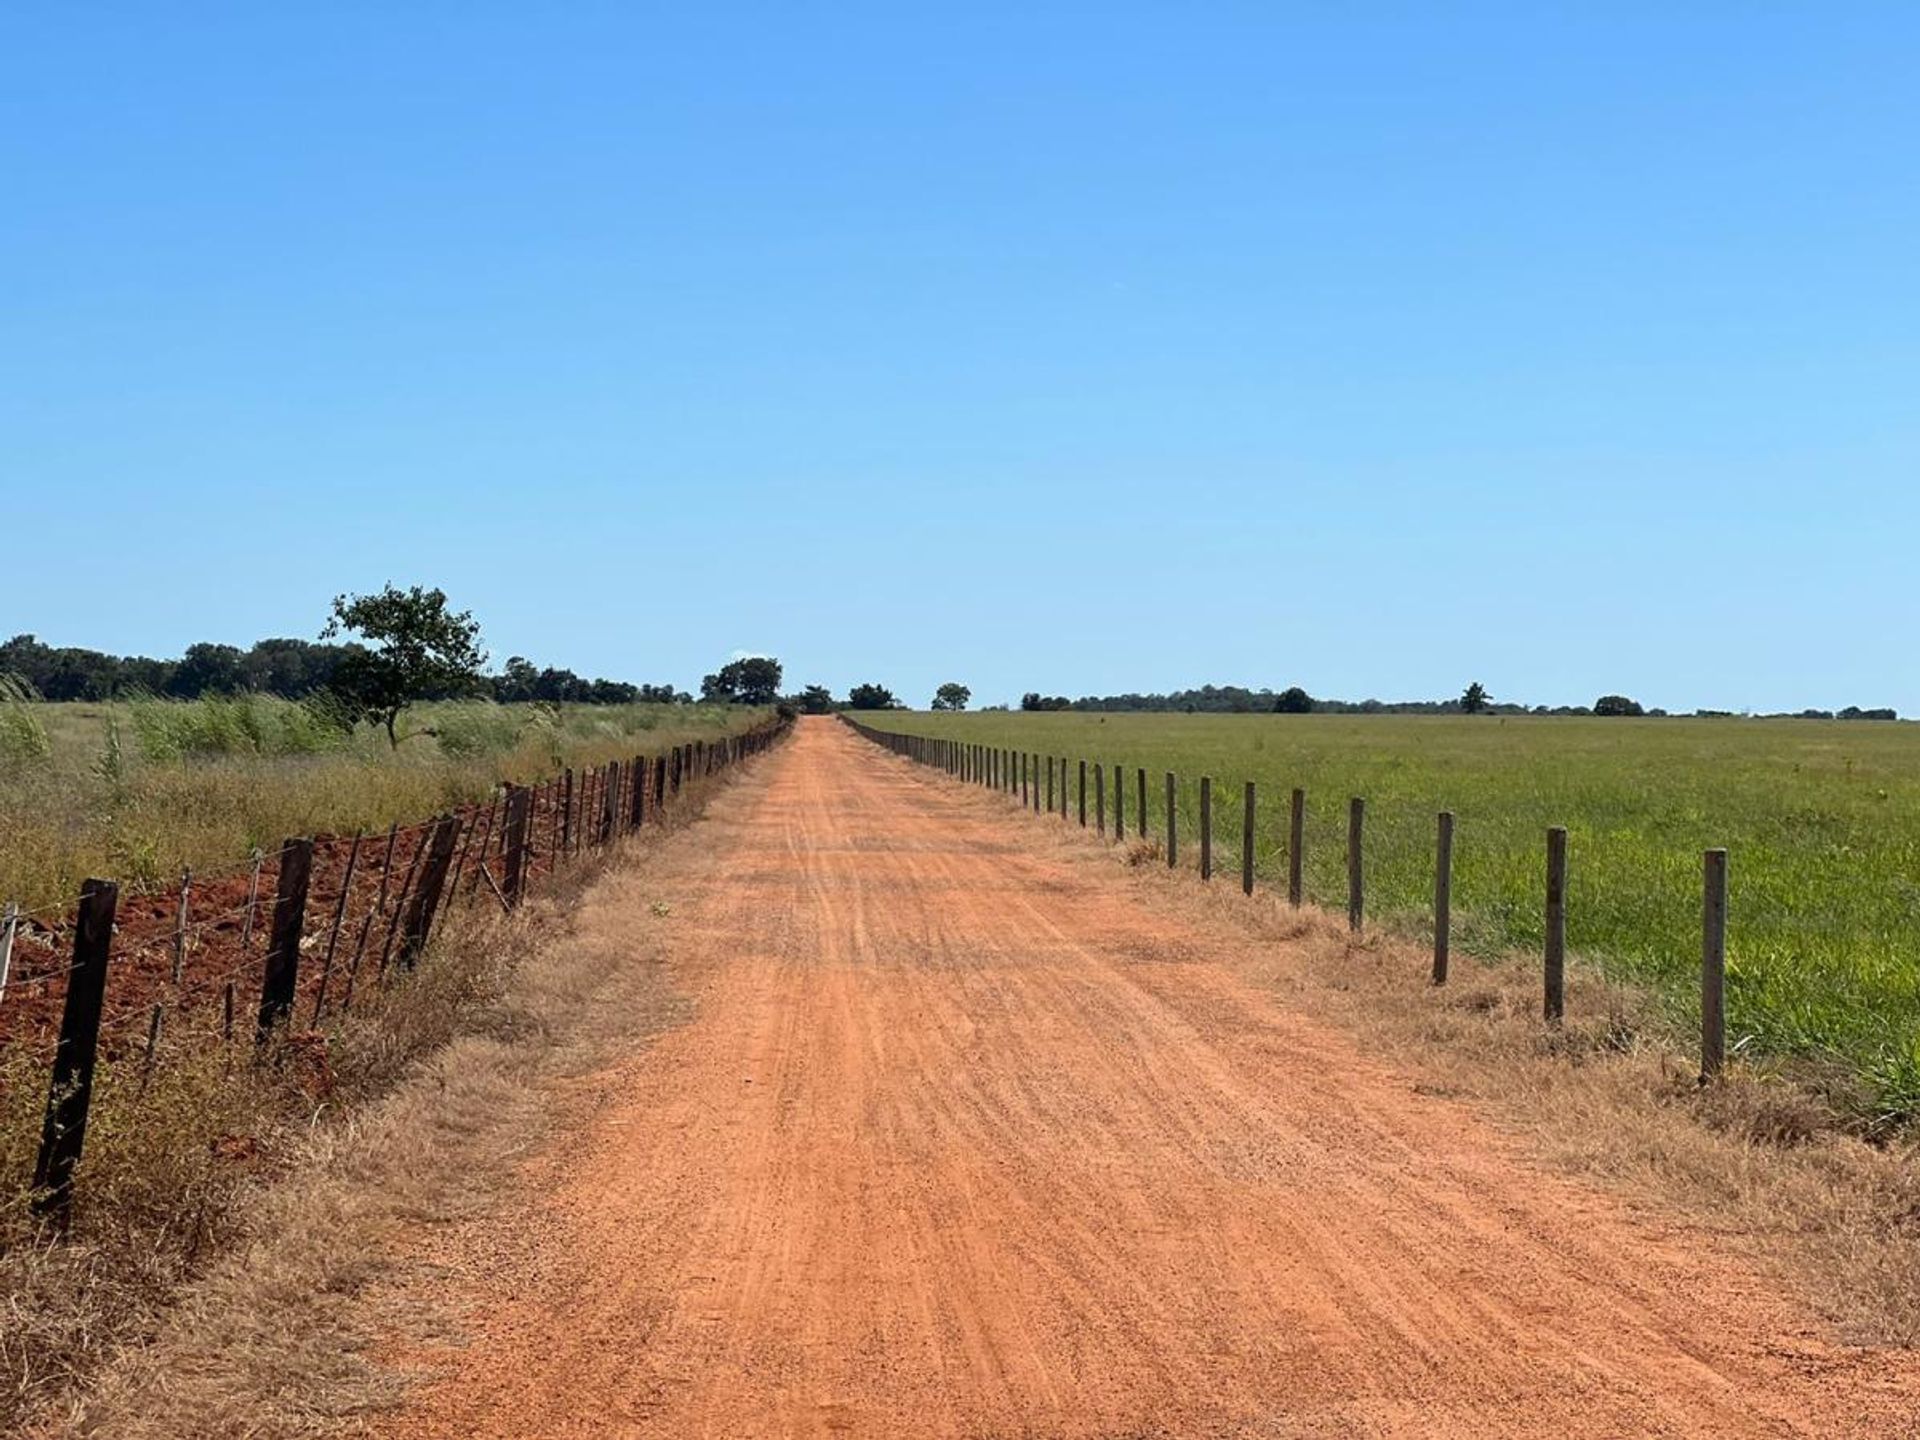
x: 70, y: 1091
x: 1083, y: 794
x: 1713, y: 968
x: 1173, y: 820
x: 1356, y: 870
x: 426, y: 896
x: 1556, y: 958
x: 1119, y: 802
x: 1100, y: 800
x: 333, y: 933
x: 1246, y: 844
x: 1443, y: 898
x: 637, y: 800
x: 518, y: 820
x: 659, y: 785
x: 1023, y: 779
x: 1140, y: 825
x: 609, y: 802
x: 1049, y: 784
x: 565, y: 846
x: 1296, y: 851
x: 281, y: 974
x: 1206, y: 827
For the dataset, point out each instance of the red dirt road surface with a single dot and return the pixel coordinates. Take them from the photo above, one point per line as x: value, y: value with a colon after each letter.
x: 962, y: 1140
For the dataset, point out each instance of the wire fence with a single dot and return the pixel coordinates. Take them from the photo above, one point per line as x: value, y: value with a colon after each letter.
x: 295, y: 936
x: 1097, y: 796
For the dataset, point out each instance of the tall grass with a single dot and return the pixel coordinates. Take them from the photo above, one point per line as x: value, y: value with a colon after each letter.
x: 1822, y: 820
x: 135, y: 791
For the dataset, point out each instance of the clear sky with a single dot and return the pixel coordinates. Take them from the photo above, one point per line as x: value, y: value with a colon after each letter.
x: 1573, y: 348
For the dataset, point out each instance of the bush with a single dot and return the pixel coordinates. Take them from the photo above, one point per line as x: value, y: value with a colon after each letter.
x: 23, y: 739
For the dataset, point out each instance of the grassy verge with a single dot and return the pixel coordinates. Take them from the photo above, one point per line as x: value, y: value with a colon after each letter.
x: 136, y: 791
x: 1822, y: 821
x: 186, y: 1160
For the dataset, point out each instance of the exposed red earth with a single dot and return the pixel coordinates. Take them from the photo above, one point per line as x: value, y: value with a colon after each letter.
x: 964, y: 1139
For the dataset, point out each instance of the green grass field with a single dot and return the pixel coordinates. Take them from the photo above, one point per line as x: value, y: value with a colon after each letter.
x: 1822, y: 821
x: 134, y: 791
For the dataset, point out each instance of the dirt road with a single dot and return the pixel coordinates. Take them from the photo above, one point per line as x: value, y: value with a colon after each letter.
x: 962, y: 1140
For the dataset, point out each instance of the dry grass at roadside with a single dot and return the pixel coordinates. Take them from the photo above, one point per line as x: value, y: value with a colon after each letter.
x: 198, y: 1298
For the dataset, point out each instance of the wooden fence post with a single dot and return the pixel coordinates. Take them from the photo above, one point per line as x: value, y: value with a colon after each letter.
x: 1049, y: 784
x: 426, y: 896
x: 1173, y: 820
x: 1443, y: 897
x: 518, y: 819
x: 1206, y: 827
x: 281, y: 974
x: 1356, y: 871
x: 70, y: 1090
x: 1296, y: 850
x: 659, y: 786
x: 1555, y: 1005
x: 637, y: 801
x: 565, y: 846
x: 1713, y: 967
x: 1140, y: 825
x: 1083, y: 794
x: 1100, y: 800
x: 1246, y: 844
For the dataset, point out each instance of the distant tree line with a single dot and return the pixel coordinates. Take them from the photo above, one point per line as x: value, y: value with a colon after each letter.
x: 294, y: 669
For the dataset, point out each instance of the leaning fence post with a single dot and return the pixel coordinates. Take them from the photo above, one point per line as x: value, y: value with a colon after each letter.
x: 1713, y: 968
x: 1296, y: 850
x: 1555, y: 1005
x: 1246, y: 844
x: 70, y: 1090
x: 1173, y: 820
x: 519, y: 808
x: 1442, y: 897
x: 418, y: 924
x: 179, y: 926
x: 281, y: 974
x: 1356, y: 873
x: 1206, y: 827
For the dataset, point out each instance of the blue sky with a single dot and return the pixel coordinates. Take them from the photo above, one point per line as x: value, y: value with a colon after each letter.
x: 1573, y: 348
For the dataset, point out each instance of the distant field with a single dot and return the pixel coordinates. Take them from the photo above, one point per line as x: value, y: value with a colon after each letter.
x: 1822, y: 820
x: 135, y: 791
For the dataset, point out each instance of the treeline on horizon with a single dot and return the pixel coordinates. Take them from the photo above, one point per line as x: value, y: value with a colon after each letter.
x: 1238, y: 700
x: 292, y: 669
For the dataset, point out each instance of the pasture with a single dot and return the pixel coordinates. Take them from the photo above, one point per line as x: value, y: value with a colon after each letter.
x: 134, y: 791
x: 1822, y: 820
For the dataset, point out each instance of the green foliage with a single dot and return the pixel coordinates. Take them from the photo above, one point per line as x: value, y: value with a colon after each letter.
x: 1475, y: 699
x: 754, y: 680
x: 1617, y: 705
x: 420, y: 650
x: 223, y: 726
x: 23, y: 739
x: 816, y: 700
x: 1822, y: 819
x: 951, y: 696
x: 871, y: 697
x: 1293, y: 701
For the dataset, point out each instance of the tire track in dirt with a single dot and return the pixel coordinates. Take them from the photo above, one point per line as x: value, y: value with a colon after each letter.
x: 963, y: 1141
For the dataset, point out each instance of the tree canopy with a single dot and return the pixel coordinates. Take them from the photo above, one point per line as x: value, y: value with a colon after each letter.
x: 871, y: 697
x: 417, y: 649
x: 951, y: 696
x: 752, y: 680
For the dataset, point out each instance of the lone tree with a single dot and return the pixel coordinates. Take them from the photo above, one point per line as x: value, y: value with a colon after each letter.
x: 951, y: 697
x: 417, y: 649
x: 1617, y: 705
x: 1293, y: 701
x: 816, y: 700
x: 871, y: 697
x: 1476, y: 698
x: 754, y: 680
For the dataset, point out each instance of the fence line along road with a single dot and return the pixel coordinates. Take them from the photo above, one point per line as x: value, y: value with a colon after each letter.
x: 540, y: 827
x: 973, y: 763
